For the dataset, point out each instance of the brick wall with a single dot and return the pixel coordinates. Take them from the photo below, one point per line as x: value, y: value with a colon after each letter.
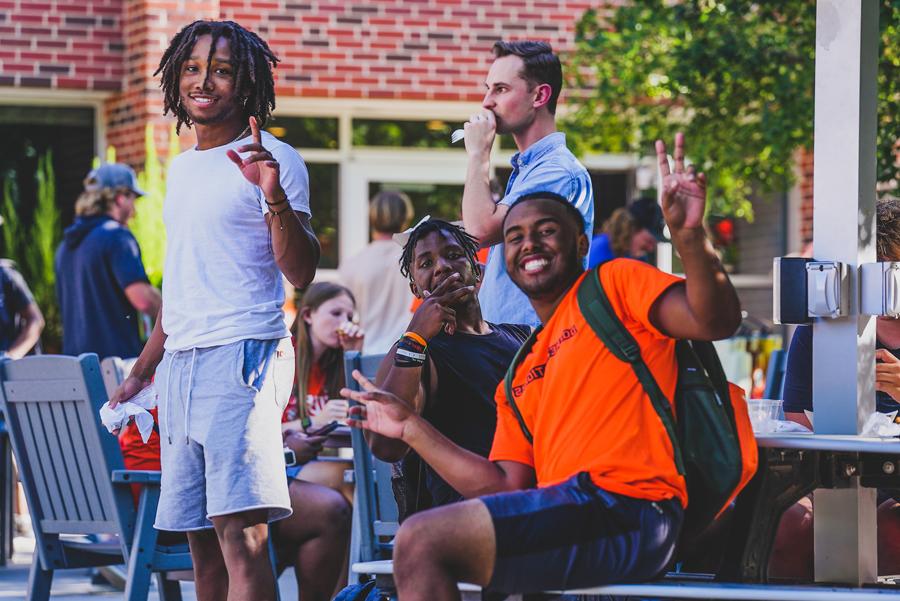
x: 394, y: 49
x: 65, y: 44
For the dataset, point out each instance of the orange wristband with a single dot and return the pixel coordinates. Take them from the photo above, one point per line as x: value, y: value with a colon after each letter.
x: 417, y: 338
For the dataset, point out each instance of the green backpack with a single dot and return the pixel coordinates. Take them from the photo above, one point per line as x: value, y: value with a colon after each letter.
x: 711, y: 433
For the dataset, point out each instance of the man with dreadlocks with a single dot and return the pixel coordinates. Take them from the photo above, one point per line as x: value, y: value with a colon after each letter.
x: 237, y: 217
x: 448, y: 363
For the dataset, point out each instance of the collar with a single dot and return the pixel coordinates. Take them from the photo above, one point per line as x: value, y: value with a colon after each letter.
x: 547, y: 144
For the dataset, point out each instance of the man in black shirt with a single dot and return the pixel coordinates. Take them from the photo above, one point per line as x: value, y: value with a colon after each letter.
x: 448, y: 363
x: 21, y: 321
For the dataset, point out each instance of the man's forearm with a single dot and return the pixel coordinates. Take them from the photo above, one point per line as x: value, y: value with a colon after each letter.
x: 405, y: 383
x: 470, y: 474
x: 294, y: 245
x: 26, y: 339
x: 152, y: 354
x: 478, y: 207
x: 711, y: 297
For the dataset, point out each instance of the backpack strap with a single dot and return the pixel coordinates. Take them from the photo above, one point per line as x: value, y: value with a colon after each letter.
x: 510, y: 374
x: 709, y: 359
x: 600, y: 315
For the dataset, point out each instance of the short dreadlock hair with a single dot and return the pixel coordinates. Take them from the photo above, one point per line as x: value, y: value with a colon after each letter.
x: 468, y: 243
x: 251, y: 58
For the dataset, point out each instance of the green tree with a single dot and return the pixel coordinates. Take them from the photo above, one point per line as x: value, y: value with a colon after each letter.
x: 737, y: 76
x: 147, y: 225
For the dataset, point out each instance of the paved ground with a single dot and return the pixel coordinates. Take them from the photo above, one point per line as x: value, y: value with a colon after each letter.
x: 75, y: 585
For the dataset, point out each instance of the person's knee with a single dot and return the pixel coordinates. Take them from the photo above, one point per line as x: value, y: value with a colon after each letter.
x: 337, y: 511
x: 242, y: 534
x: 414, y: 544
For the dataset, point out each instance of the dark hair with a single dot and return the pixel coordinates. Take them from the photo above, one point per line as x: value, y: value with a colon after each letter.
x: 887, y: 242
x: 468, y: 243
x: 251, y: 58
x: 541, y: 65
x: 574, y: 213
x: 390, y: 211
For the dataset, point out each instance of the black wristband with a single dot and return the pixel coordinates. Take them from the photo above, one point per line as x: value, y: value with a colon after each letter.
x: 272, y: 204
x: 409, y: 353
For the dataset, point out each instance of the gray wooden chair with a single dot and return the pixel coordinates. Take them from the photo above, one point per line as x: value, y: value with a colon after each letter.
x: 74, y: 479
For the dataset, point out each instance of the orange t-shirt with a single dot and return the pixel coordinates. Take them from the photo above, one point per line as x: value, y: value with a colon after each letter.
x: 585, y: 408
x: 316, y: 396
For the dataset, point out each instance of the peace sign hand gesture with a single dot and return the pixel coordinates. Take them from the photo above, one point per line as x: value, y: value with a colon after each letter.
x: 260, y: 168
x: 683, y: 191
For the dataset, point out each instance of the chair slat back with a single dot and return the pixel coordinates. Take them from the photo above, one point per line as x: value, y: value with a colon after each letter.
x: 52, y: 408
x: 377, y: 508
x: 115, y: 370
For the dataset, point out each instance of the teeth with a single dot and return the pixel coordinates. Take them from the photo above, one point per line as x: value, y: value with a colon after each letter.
x: 533, y: 265
x: 203, y: 100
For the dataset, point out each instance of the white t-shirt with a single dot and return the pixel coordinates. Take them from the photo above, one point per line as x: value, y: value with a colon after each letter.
x: 221, y: 283
x: 382, y: 295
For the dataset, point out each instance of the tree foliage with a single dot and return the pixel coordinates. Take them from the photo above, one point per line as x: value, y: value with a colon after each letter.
x: 736, y: 76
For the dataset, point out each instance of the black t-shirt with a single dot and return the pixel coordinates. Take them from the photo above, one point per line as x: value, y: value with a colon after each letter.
x: 469, y: 368
x: 798, y: 376
x: 14, y: 297
x: 97, y: 260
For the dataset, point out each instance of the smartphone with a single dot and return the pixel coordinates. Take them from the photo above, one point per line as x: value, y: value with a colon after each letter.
x: 324, y: 430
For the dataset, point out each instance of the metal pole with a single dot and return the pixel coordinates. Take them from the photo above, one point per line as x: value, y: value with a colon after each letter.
x: 844, y: 230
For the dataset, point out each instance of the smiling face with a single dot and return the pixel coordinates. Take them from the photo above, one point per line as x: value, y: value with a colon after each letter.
x: 543, y: 247
x: 323, y: 321
x: 510, y: 97
x: 208, y: 93
x: 436, y: 257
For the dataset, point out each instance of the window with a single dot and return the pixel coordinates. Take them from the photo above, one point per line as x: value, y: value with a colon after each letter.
x: 410, y: 134
x: 305, y: 132
x: 323, y: 200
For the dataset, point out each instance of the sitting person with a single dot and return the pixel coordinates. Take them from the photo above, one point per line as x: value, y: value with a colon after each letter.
x: 459, y: 358
x: 793, y: 551
x: 323, y: 330
x: 315, y: 537
x: 596, y: 497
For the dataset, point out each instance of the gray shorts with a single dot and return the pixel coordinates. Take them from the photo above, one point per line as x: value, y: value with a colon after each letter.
x: 220, y: 432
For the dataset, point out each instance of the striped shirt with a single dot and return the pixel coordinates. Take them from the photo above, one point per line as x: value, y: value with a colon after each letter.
x: 545, y: 166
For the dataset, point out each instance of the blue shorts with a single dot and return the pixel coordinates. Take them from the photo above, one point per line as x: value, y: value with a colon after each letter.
x: 576, y: 535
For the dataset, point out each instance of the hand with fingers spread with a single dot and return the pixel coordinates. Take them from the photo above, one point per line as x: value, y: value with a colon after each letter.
x: 481, y: 128
x: 683, y: 190
x: 260, y: 168
x: 379, y: 411
x: 887, y: 373
x: 436, y: 311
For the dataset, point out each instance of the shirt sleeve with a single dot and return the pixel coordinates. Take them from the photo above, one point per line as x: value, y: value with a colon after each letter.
x: 125, y: 259
x: 19, y: 294
x: 798, y: 374
x: 633, y: 286
x: 510, y: 443
x: 294, y: 177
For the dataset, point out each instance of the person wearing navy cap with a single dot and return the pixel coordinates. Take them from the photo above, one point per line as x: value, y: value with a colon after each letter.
x: 100, y: 278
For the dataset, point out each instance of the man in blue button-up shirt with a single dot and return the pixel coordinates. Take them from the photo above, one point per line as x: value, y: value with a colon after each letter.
x: 523, y: 86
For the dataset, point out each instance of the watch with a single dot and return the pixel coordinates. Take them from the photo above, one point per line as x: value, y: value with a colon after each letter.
x: 290, y: 458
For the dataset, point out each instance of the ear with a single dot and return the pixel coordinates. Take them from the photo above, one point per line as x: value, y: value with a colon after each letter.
x: 542, y: 93
x: 583, y: 245
x: 306, y: 315
x: 414, y: 289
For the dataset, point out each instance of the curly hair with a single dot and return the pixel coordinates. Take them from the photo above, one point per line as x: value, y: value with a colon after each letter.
x: 620, y: 227
x: 887, y: 242
x: 251, y: 58
x: 468, y: 243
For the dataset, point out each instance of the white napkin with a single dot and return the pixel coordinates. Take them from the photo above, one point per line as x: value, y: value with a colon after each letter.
x: 136, y: 407
x: 881, y: 424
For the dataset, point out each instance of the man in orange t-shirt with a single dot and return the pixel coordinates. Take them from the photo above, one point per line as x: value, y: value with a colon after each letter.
x: 596, y: 497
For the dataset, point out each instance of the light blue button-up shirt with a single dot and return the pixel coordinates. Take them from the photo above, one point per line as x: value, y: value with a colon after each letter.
x: 545, y: 166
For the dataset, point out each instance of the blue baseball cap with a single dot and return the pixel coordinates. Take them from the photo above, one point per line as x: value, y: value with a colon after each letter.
x: 113, y: 175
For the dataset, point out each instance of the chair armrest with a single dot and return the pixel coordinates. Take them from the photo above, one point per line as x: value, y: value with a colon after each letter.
x: 136, y: 476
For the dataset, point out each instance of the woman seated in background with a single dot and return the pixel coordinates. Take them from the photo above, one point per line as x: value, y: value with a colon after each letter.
x: 323, y: 330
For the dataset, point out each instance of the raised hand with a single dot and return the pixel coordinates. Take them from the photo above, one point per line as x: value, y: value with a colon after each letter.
x: 683, y: 190
x: 480, y: 131
x: 887, y: 373
x: 435, y: 312
x: 260, y: 168
x: 379, y: 411
x: 351, y: 336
